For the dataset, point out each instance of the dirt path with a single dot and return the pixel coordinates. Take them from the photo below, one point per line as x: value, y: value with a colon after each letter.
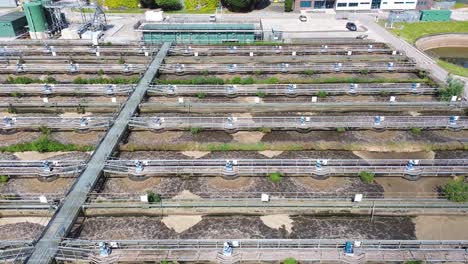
x: 278, y: 221
x: 394, y: 155
x: 180, y: 223
x: 399, y: 187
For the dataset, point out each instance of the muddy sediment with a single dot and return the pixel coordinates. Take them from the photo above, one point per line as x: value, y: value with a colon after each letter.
x: 250, y: 227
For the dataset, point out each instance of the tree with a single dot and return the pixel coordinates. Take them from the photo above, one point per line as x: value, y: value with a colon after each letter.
x: 290, y: 261
x: 456, y: 190
x: 239, y: 5
x: 148, y: 4
x: 453, y: 87
x: 288, y: 5
x: 168, y: 5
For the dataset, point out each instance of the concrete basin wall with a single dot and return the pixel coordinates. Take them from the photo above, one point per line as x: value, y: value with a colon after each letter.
x: 442, y: 41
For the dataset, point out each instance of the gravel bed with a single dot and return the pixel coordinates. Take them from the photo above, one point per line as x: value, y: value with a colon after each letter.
x: 152, y: 155
x: 250, y: 227
x: 457, y: 154
x: 20, y: 231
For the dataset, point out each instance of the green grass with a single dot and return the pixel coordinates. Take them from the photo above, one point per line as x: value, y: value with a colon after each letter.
x: 44, y: 144
x: 114, y: 11
x: 4, y: 178
x: 412, y: 31
x: 460, y: 5
x: 187, y: 11
x: 453, y: 68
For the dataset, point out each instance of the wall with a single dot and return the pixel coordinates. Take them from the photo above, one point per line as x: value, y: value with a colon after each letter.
x: 385, y: 4
x: 442, y: 40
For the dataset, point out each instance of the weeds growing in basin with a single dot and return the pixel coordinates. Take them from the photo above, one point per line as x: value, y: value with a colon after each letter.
x: 4, y: 178
x: 322, y: 94
x: 275, y: 177
x: 309, y: 72
x: 195, y: 130
x: 290, y: 261
x: 416, y: 131
x: 201, y: 95
x: 44, y: 144
x: 27, y: 80
x: 364, y: 72
x: 264, y: 129
x: 153, y: 197
x: 367, y: 176
x: 340, y: 129
x: 102, y: 80
x: 456, y: 190
x: 261, y: 94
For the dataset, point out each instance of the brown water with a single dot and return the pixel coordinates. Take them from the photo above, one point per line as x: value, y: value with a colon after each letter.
x: 457, y: 56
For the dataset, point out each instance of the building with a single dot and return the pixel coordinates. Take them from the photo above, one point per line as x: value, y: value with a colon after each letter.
x: 12, y: 24
x: 8, y: 3
x: 345, y: 5
x: 198, y: 33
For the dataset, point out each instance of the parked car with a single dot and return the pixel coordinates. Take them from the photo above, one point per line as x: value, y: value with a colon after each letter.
x: 303, y: 18
x: 351, y: 26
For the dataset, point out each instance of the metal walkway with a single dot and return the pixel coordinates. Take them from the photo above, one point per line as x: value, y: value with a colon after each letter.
x: 66, y: 89
x: 319, y: 168
x: 275, y: 107
x: 266, y: 250
x: 300, y: 123
x: 63, y: 220
x: 85, y: 123
x: 292, y: 89
x: 290, y: 68
x: 19, y: 50
x: 43, y: 169
x: 74, y: 68
x: 98, y: 205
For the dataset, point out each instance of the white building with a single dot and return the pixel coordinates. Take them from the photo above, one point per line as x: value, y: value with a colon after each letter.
x: 375, y: 4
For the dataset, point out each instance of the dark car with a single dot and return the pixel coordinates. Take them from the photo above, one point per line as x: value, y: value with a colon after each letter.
x: 351, y: 26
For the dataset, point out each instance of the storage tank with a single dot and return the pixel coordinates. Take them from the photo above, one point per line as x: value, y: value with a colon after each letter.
x: 37, y: 22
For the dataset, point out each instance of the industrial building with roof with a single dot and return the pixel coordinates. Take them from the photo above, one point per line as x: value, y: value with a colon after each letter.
x: 198, y: 33
x: 12, y: 24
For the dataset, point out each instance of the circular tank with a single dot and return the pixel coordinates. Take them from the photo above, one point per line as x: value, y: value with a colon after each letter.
x: 36, y: 17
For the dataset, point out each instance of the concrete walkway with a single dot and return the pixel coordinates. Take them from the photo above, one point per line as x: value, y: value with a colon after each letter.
x: 64, y: 219
x: 422, y: 60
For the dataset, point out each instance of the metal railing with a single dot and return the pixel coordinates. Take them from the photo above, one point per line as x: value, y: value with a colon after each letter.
x: 291, y: 68
x: 274, y: 107
x: 291, y: 167
x: 233, y: 123
x: 45, y: 169
x: 54, y: 50
x: 56, y: 123
x: 73, y: 68
x: 66, y: 89
x: 293, y: 89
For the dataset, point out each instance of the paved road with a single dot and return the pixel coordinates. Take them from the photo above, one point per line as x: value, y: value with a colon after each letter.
x: 423, y: 60
x: 65, y: 217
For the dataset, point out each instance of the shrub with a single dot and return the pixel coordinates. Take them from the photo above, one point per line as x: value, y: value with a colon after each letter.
x: 195, y: 130
x: 121, y: 60
x: 100, y: 72
x: 322, y: 94
x: 288, y: 5
x: 264, y: 129
x: 239, y: 5
x: 456, y: 190
x: 201, y: 95
x: 148, y: 4
x: 271, y: 80
x: 44, y: 130
x: 367, y: 176
x: 258, y: 72
x: 364, y: 72
x: 341, y: 129
x: 153, y: 197
x: 4, y: 178
x: 454, y: 87
x: 16, y: 94
x: 275, y: 177
x: 416, y: 130
x: 168, y: 5
x: 290, y: 261
x: 261, y: 94
x: 204, y: 72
